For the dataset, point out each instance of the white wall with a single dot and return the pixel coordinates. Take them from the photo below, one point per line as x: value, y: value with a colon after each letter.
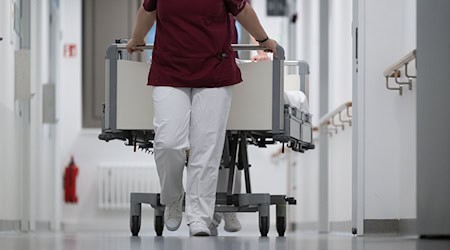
x: 408, y: 118
x: 25, y: 188
x: 340, y: 52
x: 68, y: 91
x: 9, y: 171
x: 340, y: 177
x: 340, y: 92
x: 89, y: 153
x: 308, y: 48
x: 307, y: 164
x: 45, y: 182
x: 69, y: 77
x: 276, y: 27
x: 308, y: 189
x: 389, y: 137
x: 340, y: 89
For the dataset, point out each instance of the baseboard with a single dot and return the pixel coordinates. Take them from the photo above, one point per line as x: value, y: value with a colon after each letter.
x: 335, y: 226
x: 9, y: 225
x: 341, y: 226
x: 304, y: 226
x: 391, y: 226
x: 43, y: 226
x: 14, y: 225
x: 408, y: 226
x: 381, y: 226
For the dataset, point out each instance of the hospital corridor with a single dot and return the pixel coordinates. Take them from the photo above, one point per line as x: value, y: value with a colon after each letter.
x: 224, y: 124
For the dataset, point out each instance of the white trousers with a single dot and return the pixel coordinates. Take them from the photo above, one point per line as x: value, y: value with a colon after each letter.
x: 194, y: 119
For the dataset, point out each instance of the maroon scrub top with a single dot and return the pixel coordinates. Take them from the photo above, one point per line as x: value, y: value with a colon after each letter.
x: 192, y: 43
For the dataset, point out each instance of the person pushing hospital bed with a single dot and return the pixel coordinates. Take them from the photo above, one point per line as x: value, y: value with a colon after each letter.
x: 231, y: 221
x: 284, y: 124
x: 191, y: 75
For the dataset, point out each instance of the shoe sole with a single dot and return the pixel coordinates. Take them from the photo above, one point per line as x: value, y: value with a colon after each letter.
x: 201, y: 234
x: 173, y: 228
x: 232, y: 230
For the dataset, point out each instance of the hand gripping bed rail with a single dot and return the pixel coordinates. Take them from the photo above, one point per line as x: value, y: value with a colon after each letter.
x: 118, y: 51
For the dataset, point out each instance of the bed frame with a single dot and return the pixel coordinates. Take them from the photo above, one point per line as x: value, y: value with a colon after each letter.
x: 258, y: 116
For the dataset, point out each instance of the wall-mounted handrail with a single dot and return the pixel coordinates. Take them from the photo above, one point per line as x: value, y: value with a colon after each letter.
x: 400, y: 63
x: 326, y: 118
x: 335, y: 120
x: 394, y: 72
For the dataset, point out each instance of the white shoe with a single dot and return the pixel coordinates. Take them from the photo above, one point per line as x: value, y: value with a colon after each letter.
x: 173, y: 215
x: 232, y: 223
x: 198, y: 229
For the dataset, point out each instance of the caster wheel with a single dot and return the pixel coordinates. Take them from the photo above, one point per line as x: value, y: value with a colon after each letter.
x: 264, y: 226
x: 281, y: 226
x: 354, y: 231
x: 135, y: 224
x: 159, y: 225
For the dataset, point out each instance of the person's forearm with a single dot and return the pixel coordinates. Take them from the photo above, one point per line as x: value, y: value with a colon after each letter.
x: 249, y: 20
x: 144, y: 23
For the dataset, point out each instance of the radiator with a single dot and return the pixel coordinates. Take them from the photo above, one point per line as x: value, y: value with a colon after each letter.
x: 117, y: 181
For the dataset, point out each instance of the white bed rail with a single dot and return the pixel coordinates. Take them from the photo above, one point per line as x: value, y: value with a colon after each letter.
x: 118, y: 51
x: 394, y: 71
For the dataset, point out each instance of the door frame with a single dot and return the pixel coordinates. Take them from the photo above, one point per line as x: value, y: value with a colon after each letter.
x: 358, y: 139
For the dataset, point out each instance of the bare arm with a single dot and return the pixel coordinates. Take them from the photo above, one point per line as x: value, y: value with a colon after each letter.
x: 249, y: 20
x: 144, y: 23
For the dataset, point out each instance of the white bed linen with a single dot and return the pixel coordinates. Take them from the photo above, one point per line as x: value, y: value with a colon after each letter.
x: 296, y: 99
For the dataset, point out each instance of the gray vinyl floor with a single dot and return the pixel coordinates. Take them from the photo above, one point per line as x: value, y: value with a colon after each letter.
x: 247, y: 241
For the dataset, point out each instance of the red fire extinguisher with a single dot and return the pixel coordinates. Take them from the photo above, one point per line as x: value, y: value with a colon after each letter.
x: 70, y: 182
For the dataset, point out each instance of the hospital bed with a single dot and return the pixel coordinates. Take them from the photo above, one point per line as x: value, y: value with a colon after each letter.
x: 258, y: 116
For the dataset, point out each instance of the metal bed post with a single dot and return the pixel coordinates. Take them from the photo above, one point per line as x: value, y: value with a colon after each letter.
x: 243, y: 161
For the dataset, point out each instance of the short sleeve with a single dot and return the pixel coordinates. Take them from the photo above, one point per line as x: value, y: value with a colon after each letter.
x: 235, y: 6
x: 149, y: 5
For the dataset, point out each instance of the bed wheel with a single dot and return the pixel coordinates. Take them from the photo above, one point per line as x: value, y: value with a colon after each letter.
x: 281, y: 225
x: 159, y: 225
x: 135, y: 224
x: 264, y: 226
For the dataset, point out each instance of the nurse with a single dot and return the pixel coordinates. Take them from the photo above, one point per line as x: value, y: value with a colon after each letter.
x: 193, y: 70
